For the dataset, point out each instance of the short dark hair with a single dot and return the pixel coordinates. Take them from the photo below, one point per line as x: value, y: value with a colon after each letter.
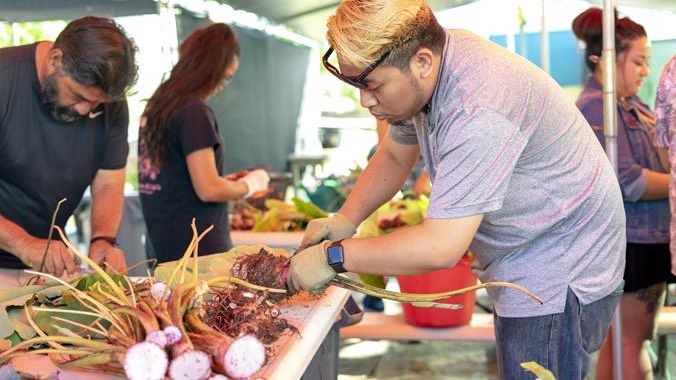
x: 98, y: 53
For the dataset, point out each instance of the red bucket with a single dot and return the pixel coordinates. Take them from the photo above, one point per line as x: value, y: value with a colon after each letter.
x: 459, y: 276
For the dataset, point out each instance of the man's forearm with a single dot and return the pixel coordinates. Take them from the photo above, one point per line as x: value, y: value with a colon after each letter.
x: 11, y: 234
x: 380, y: 181
x: 435, y: 244
x: 107, y: 204
x: 107, y: 214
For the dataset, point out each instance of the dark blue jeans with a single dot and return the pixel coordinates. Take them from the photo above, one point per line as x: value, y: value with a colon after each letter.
x: 562, y: 343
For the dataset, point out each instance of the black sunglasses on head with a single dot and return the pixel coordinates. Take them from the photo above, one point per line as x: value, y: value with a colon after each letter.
x: 357, y: 80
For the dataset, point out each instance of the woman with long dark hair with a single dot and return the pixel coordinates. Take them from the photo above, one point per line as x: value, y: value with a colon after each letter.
x: 181, y: 152
x: 644, y: 183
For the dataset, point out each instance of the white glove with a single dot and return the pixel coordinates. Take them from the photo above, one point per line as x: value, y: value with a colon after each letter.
x: 256, y: 181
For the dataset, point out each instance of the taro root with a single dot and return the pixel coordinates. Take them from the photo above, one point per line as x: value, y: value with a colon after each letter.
x: 238, y: 358
x: 190, y: 365
x: 238, y: 312
x: 145, y: 361
x: 263, y: 269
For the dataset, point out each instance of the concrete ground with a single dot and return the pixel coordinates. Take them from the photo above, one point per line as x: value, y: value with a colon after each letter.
x: 435, y: 359
x: 431, y: 360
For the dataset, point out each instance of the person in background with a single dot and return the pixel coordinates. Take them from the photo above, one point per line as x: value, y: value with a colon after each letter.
x: 63, y: 127
x: 181, y: 151
x: 517, y: 175
x: 644, y: 183
x: 665, y: 112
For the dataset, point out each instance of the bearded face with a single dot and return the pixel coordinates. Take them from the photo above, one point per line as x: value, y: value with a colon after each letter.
x: 50, y: 95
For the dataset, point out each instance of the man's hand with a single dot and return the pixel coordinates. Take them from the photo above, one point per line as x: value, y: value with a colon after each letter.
x: 336, y: 227
x: 102, y: 251
x: 59, y: 259
x: 310, y: 270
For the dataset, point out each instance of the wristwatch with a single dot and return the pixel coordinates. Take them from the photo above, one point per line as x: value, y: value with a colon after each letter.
x: 335, y: 256
x: 109, y: 239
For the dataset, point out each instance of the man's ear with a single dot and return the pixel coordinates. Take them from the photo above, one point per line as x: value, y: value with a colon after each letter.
x: 422, y: 63
x: 54, y: 58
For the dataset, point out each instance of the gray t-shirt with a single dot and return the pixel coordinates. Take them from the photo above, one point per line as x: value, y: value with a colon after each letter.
x: 502, y: 139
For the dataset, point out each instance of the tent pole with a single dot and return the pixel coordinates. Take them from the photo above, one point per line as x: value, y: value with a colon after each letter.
x: 610, y: 132
x: 544, y: 41
x: 16, y: 34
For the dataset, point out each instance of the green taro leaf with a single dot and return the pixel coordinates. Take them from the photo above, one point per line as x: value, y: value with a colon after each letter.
x: 86, y: 283
x: 18, y: 318
x: 6, y: 327
x: 14, y: 339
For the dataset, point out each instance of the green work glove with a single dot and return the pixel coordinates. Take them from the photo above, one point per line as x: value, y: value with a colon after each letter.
x: 310, y: 270
x: 336, y: 227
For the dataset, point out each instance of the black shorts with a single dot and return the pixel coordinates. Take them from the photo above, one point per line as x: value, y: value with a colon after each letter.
x: 647, y: 265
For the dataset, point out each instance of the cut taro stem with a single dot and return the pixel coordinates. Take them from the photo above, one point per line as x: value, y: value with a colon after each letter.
x: 68, y: 351
x: 29, y: 316
x: 176, y: 307
x: 131, y: 290
x: 195, y: 276
x: 145, y: 361
x: 138, y: 264
x: 183, y: 261
x: 190, y: 365
x: 148, y: 320
x: 108, y: 280
x: 80, y: 325
x: 349, y: 284
x: 101, y: 310
x: 237, y: 281
x: 89, y: 360
x: 81, y: 342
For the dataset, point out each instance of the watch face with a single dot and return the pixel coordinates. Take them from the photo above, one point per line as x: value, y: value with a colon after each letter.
x: 334, y: 255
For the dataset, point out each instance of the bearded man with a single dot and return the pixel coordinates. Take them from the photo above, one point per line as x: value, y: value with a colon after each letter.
x: 63, y: 127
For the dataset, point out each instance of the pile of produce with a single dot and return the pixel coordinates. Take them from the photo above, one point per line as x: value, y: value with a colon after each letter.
x: 148, y: 329
x: 198, y: 318
x: 244, y: 216
x: 394, y: 214
x: 406, y: 212
x: 277, y: 217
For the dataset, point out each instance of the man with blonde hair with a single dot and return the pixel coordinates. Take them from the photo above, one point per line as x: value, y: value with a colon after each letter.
x: 517, y: 176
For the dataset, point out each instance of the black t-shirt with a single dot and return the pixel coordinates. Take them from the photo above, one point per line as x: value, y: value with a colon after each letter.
x: 43, y: 160
x: 168, y: 198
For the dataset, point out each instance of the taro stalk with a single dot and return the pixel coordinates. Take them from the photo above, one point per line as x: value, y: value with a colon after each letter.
x: 239, y: 357
x: 187, y: 362
x: 268, y: 270
x: 423, y: 300
x: 148, y: 359
x: 83, y: 345
x: 120, y: 297
x: 92, y: 352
